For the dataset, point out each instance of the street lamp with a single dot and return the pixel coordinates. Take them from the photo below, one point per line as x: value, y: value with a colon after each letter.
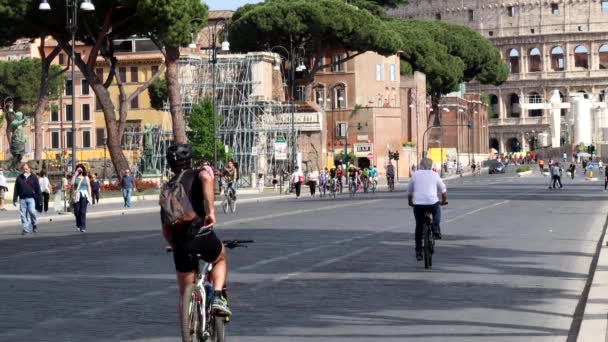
x: 105, y: 145
x: 71, y: 8
x: 293, y: 54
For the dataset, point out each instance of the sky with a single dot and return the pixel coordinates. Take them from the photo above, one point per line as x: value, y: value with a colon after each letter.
x: 227, y: 4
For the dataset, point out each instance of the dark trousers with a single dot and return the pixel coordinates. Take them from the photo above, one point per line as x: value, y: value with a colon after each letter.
x: 313, y: 187
x: 95, y: 198
x: 557, y: 179
x: 80, y: 211
x: 298, y: 187
x: 419, y: 211
x: 45, y: 201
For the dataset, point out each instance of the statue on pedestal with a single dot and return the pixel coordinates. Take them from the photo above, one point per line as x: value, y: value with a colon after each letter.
x: 17, y: 144
x: 148, y: 157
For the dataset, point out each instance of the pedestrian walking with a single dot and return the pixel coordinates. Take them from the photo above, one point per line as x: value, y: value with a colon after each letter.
x: 541, y: 165
x: 473, y: 167
x: 260, y: 183
x: 27, y: 189
x: 572, y: 170
x: 46, y: 188
x: 313, y: 180
x: 296, y: 180
x: 81, y: 196
x: 605, y: 179
x: 555, y: 175
x: 584, y: 167
x: 95, y: 188
x: 275, y: 181
x: 128, y: 184
x: 3, y: 189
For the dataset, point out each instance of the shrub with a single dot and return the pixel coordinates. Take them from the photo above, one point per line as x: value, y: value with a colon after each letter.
x: 523, y: 169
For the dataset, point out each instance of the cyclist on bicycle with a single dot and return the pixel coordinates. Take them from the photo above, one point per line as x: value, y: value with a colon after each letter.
x: 365, y: 178
x: 353, y: 176
x: 340, y: 176
x: 196, y: 237
x: 230, y: 176
x: 422, y: 195
x: 373, y: 174
x: 390, y: 173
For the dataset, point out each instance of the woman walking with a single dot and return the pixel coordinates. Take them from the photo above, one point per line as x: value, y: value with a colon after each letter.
x: 313, y: 180
x: 81, y: 190
x: 45, y: 187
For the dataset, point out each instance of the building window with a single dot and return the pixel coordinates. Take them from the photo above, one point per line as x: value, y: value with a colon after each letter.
x: 61, y: 59
x: 491, y: 33
x: 336, y: 63
x: 134, y: 77
x: 86, y: 112
x: 514, y: 61
x: 581, y: 57
x: 99, y: 72
x: 471, y: 15
x: 534, y: 60
x: 437, y: 16
x: 68, y: 112
x: 392, y: 72
x: 512, y: 11
x: 54, y: 113
x: 555, y: 9
x: 154, y: 69
x: 320, y: 96
x: 99, y: 135
x: 603, y: 56
x: 122, y: 74
x: 68, y: 88
x: 379, y: 72
x: 340, y: 99
x: 69, y: 139
x: 86, y: 139
x: 301, y: 93
x: 605, y: 6
x: 84, y: 87
x: 341, y: 129
x: 55, y: 139
x: 135, y: 102
x: 557, y: 59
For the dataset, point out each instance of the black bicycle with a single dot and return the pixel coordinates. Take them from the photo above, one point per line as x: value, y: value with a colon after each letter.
x: 428, y: 240
x: 199, y: 323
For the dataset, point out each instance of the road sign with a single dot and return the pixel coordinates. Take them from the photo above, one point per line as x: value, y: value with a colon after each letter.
x: 280, y: 149
x: 370, y: 156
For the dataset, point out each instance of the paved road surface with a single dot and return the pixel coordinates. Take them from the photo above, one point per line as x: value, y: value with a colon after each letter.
x: 512, y: 267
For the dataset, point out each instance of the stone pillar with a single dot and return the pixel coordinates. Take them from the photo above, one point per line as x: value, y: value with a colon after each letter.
x: 502, y: 113
x: 524, y: 143
x: 522, y: 100
x: 501, y: 143
x: 523, y: 61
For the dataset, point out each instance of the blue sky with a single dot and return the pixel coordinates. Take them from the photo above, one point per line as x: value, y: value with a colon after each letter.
x: 227, y: 4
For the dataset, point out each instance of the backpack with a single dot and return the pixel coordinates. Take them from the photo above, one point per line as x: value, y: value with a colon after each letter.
x: 176, y: 208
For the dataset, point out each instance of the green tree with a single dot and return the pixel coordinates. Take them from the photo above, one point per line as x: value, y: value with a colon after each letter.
x: 170, y: 24
x: 200, y: 133
x: 158, y: 94
x: 315, y: 25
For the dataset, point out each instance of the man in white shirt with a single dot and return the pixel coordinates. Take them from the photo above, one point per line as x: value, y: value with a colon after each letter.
x: 422, y: 195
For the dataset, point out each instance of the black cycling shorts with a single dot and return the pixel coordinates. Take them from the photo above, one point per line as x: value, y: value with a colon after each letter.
x: 207, y: 245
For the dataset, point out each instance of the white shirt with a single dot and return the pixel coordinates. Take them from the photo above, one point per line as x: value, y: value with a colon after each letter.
x: 295, y: 177
x: 44, y: 184
x: 313, y: 176
x: 425, y: 184
x: 3, y: 181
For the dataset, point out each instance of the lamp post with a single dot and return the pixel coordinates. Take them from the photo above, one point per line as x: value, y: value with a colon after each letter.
x: 293, y: 54
x: 71, y: 24
x: 105, y: 145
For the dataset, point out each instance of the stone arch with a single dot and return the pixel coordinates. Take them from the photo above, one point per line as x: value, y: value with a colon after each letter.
x: 535, y: 63
x: 495, y: 144
x: 581, y: 57
x: 494, y: 106
x: 535, y: 97
x: 603, y: 56
x: 558, y: 60
x: 514, y: 108
x: 513, y: 145
x: 513, y: 61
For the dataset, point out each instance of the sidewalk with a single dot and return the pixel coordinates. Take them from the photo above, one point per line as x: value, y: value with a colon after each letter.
x: 115, y: 208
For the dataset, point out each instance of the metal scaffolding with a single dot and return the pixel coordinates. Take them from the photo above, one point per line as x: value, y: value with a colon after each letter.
x: 249, y: 124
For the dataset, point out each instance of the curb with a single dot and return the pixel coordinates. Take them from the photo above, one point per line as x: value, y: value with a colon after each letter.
x: 122, y: 212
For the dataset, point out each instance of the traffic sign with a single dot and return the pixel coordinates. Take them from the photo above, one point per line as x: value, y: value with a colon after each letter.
x: 370, y: 156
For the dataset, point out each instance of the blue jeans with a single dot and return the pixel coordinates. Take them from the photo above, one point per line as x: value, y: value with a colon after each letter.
x: 27, y: 207
x: 126, y: 194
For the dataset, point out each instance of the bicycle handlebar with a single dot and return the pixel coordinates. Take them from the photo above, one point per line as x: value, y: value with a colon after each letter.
x: 230, y: 244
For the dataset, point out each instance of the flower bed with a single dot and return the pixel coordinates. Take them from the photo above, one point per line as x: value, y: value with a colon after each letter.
x: 523, y: 169
x: 140, y: 186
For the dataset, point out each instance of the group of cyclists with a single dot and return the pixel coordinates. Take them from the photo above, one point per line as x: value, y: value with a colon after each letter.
x: 356, y: 178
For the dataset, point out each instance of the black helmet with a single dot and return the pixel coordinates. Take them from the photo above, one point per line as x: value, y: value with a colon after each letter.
x: 177, y: 153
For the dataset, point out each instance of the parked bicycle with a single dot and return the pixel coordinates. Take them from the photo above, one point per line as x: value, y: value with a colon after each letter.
x: 229, y: 200
x: 199, y: 323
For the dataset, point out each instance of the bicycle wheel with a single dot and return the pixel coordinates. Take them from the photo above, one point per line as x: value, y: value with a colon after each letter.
x: 225, y: 205
x: 218, y: 330
x: 427, y: 248
x: 191, y: 315
x: 232, y: 206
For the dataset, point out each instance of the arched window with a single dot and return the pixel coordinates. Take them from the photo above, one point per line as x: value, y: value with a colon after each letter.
x: 535, y: 97
x: 340, y: 96
x: 534, y: 60
x: 319, y: 93
x: 557, y: 59
x: 494, y: 110
x: 514, y: 61
x: 581, y: 57
x: 604, y: 56
x: 513, y: 145
x: 514, y: 106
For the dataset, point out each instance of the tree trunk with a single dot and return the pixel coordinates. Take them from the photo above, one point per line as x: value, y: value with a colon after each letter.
x: 39, y: 113
x: 175, y: 105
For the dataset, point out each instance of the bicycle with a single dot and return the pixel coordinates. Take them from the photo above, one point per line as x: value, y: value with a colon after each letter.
x: 374, y: 183
x: 198, y: 321
x: 391, y: 184
x: 365, y: 184
x: 428, y: 240
x: 229, y: 200
x: 352, y: 187
x: 332, y: 187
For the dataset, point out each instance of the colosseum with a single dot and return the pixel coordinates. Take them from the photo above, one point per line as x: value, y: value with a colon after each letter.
x: 549, y: 45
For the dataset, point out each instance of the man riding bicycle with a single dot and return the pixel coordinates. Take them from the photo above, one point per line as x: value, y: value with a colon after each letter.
x: 196, y: 237
x: 353, y: 176
x: 422, y: 195
x: 390, y: 173
x: 230, y: 177
x: 373, y: 174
